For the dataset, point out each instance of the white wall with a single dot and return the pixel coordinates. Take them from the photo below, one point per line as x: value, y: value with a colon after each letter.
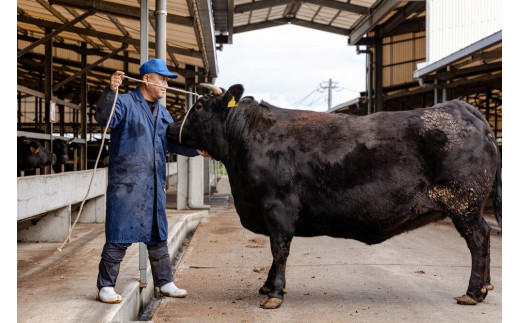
x: 454, y: 24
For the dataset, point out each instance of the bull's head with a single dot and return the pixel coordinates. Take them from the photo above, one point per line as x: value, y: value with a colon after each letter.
x: 202, y: 127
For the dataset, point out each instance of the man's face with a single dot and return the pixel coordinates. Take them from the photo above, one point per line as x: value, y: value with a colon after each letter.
x: 155, y: 92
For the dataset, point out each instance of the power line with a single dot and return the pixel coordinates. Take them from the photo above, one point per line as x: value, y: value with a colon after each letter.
x: 314, y: 97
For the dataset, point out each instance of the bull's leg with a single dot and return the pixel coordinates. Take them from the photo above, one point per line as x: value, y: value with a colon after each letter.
x: 476, y: 232
x: 269, y: 283
x: 280, y: 244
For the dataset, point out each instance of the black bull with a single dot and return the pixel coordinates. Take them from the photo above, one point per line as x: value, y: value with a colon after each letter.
x: 300, y: 173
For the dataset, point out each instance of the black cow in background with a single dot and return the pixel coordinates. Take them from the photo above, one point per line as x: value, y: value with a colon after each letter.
x: 368, y: 178
x: 31, y: 155
x: 64, y: 152
x: 63, y: 149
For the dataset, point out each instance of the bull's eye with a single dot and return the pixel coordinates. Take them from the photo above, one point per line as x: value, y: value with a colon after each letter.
x: 198, y: 106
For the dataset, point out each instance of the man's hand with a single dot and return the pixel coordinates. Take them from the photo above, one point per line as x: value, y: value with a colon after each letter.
x: 204, y: 154
x: 116, y: 80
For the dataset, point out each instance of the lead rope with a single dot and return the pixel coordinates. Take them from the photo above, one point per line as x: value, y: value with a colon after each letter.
x: 175, y: 89
x: 101, y: 148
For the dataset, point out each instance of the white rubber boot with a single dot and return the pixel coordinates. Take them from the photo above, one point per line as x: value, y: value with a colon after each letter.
x: 171, y: 290
x: 109, y: 295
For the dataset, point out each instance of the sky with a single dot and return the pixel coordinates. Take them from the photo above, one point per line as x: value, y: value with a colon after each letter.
x: 286, y: 65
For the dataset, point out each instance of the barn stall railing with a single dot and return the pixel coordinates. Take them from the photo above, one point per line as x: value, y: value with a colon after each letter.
x: 47, y: 204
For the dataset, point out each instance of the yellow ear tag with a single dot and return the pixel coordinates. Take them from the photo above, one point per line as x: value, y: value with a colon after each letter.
x: 33, y: 150
x: 232, y: 103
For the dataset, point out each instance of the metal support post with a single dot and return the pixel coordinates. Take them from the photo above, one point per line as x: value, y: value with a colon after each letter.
x: 83, y: 117
x: 379, y: 74
x: 48, y: 94
x: 19, y: 109
x: 160, y: 34
x: 143, y: 252
x: 182, y: 161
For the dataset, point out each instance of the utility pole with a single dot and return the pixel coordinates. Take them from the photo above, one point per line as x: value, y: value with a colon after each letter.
x: 329, y: 86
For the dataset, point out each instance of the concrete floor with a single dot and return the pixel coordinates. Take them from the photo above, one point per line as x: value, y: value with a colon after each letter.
x: 412, y: 277
x: 329, y: 280
x: 62, y: 287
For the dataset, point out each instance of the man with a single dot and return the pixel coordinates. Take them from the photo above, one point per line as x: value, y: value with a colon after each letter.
x: 136, y: 192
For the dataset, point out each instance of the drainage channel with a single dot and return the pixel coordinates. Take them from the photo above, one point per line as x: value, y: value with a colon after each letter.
x: 150, y: 308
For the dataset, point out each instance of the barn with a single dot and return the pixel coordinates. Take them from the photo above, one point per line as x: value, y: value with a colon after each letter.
x: 417, y: 54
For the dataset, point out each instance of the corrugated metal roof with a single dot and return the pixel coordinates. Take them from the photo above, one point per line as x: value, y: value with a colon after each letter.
x: 114, y: 23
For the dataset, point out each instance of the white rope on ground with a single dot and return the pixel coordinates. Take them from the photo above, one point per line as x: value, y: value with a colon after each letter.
x: 101, y: 148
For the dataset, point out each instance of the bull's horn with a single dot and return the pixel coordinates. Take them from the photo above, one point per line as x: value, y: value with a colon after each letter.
x: 215, y: 89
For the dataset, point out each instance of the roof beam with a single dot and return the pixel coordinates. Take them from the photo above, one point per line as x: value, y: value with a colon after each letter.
x: 480, y: 45
x: 120, y: 10
x: 398, y: 18
x: 121, y: 28
x: 261, y: 25
x: 322, y: 27
x: 75, y: 64
x: 58, y: 15
x: 340, y: 6
x: 294, y: 21
x: 241, y: 8
x: 89, y: 67
x: 58, y: 29
x: 370, y: 21
x: 408, y: 26
x: 21, y: 12
x: 108, y: 36
x: 96, y: 52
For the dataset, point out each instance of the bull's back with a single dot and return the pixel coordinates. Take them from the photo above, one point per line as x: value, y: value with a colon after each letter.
x: 362, y: 177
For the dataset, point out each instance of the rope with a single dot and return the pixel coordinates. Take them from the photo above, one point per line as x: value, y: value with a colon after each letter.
x: 174, y: 89
x: 93, y: 173
x: 164, y: 86
x: 103, y: 141
x: 182, y: 125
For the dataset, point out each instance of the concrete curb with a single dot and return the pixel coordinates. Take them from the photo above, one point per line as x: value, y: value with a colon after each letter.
x: 134, y: 300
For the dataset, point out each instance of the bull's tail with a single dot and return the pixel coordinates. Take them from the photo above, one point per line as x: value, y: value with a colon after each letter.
x: 497, y: 184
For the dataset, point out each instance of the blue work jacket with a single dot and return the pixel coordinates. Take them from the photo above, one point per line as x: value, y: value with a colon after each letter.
x: 136, y: 192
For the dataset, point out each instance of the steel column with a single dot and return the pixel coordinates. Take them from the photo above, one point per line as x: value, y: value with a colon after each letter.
x: 20, y: 108
x: 160, y: 34
x: 48, y: 93
x: 143, y: 46
x: 378, y: 74
x: 182, y: 161
x: 83, y: 118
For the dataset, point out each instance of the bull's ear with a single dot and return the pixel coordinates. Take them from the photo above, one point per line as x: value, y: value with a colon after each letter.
x: 34, y: 147
x: 233, y: 95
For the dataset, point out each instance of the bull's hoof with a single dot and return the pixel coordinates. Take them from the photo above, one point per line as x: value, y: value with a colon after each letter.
x: 465, y: 300
x: 271, y: 303
x: 264, y: 290
x: 484, y: 291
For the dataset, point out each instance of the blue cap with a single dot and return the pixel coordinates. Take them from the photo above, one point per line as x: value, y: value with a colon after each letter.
x: 158, y: 66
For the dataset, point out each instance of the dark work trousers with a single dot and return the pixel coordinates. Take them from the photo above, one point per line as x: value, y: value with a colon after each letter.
x: 113, y: 254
